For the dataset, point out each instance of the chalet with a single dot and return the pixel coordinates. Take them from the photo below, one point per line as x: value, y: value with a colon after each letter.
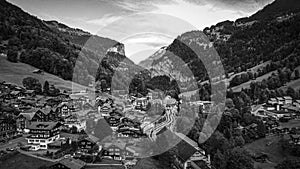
x: 74, y: 121
x: 169, y: 103
x: 29, y: 93
x: 280, y: 100
x: 116, y: 150
x: 37, y: 71
x: 65, y: 109
x: 68, y: 163
x: 104, y: 110
x: 297, y: 103
x: 272, y: 101
x: 283, y: 113
x: 140, y: 103
x: 87, y: 106
x: 7, y: 129
x: 189, y: 154
x: 23, y: 121
x: 44, y: 115
x: 16, y: 94
x: 88, y: 143
x: 43, y: 133
x: 288, y: 100
x: 291, y: 109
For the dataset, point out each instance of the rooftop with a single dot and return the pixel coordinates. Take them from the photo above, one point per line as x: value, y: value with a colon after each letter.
x: 72, y: 163
x: 43, y: 125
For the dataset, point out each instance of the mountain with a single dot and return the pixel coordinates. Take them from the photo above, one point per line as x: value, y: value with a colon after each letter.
x: 69, y: 53
x: 148, y: 61
x: 241, y: 44
x: 277, y: 8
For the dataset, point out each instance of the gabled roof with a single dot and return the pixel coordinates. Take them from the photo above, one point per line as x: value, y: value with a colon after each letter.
x: 91, y: 138
x: 14, y: 92
x: 287, y: 97
x: 186, y: 147
x: 28, y: 116
x: 43, y: 125
x: 72, y: 163
x: 120, y: 145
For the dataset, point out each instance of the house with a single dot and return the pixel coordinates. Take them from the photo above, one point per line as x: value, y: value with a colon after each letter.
x: 23, y: 121
x: 37, y: 71
x: 7, y: 129
x: 141, y: 103
x: 29, y: 93
x: 88, y: 143
x: 87, y: 106
x: 280, y: 100
x: 104, y: 110
x: 65, y: 109
x: 68, y: 163
x: 288, y: 100
x: 74, y: 121
x: 189, y: 154
x: 115, y: 150
x: 16, y: 94
x: 43, y: 133
x: 297, y: 103
x: 44, y: 115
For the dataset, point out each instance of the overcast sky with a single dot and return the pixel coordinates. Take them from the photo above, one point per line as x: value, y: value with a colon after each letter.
x: 142, y: 25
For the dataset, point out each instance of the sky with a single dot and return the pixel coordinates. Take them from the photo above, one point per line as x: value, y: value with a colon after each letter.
x: 143, y: 26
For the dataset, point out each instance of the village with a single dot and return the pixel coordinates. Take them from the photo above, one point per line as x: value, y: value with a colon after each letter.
x: 75, y: 130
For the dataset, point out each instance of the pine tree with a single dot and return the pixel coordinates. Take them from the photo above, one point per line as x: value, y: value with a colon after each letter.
x: 46, y: 88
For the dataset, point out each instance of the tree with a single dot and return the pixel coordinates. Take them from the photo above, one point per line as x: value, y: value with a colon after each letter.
x: 289, y: 164
x: 12, y: 56
x: 219, y: 160
x: 290, y: 91
x: 31, y: 83
x: 297, y: 74
x: 46, y: 87
x: 239, y: 141
x: 239, y: 158
x: 261, y: 129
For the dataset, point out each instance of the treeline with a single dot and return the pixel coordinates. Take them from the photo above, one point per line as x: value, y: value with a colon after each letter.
x: 32, y: 41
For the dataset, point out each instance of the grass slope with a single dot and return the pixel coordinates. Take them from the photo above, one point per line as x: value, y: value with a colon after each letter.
x: 17, y: 160
x: 16, y: 72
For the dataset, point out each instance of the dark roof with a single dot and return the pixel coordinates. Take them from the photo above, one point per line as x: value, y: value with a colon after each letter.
x: 91, y: 138
x: 43, y: 125
x: 186, y: 147
x: 72, y: 163
x: 28, y: 116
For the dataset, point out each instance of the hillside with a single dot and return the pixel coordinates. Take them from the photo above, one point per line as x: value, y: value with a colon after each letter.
x: 69, y: 53
x: 260, y: 44
x: 15, y: 72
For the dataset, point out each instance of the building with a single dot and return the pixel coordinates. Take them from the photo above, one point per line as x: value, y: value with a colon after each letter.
x: 68, y: 163
x: 7, y: 129
x: 189, y: 155
x: 88, y: 143
x: 74, y: 121
x: 116, y: 150
x: 65, y: 109
x: 44, y: 115
x: 23, y: 121
x: 288, y: 100
x: 42, y: 134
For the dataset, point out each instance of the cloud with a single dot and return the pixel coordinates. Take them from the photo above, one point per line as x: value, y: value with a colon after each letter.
x: 105, y: 20
x: 152, y: 40
x: 248, y: 6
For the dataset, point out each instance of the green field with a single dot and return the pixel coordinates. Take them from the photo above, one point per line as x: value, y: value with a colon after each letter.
x: 16, y: 72
x: 17, y: 160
